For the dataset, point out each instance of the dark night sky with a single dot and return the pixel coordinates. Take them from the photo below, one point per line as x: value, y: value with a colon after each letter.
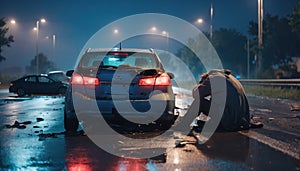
x: 74, y: 22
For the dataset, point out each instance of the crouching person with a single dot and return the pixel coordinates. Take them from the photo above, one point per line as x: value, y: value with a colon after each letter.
x: 236, y: 114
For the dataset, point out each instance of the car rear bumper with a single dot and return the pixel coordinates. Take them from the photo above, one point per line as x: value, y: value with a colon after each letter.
x: 116, y: 110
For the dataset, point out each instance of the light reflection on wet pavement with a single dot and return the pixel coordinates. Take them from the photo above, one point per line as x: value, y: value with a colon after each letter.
x: 43, y: 145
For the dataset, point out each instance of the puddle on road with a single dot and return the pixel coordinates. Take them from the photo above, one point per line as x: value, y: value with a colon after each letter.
x: 11, y: 100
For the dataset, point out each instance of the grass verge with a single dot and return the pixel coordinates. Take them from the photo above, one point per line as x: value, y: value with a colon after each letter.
x: 273, y: 92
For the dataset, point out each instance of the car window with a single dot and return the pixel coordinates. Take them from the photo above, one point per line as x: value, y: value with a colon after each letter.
x: 44, y: 80
x: 56, y: 76
x: 30, y: 79
x: 143, y: 60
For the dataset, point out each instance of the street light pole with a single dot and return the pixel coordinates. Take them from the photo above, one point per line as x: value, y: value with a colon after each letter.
x: 165, y: 33
x: 53, y: 44
x: 37, y: 46
x: 37, y: 43
x: 248, y: 58
x: 211, y: 20
x: 260, y: 22
x: 260, y: 35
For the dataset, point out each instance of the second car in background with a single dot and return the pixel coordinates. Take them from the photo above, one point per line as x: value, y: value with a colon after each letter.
x: 37, y: 84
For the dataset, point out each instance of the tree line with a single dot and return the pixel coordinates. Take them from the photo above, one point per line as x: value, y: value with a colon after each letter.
x: 281, y: 40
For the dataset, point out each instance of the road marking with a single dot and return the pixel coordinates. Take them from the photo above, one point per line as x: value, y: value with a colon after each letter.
x: 273, y: 143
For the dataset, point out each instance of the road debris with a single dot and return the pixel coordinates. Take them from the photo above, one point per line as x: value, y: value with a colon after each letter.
x: 183, y: 143
x: 295, y: 107
x: 39, y: 119
x: 271, y: 119
x: 20, y: 125
x: 43, y: 136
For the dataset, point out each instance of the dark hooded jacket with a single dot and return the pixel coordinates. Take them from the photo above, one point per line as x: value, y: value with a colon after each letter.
x: 236, y: 112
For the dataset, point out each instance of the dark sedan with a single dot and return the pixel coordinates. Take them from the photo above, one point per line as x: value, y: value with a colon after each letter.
x: 37, y: 84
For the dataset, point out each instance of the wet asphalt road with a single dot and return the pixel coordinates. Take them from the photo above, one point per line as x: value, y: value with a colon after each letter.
x: 41, y: 143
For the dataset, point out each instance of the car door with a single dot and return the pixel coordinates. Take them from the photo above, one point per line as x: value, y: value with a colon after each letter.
x: 46, y: 85
x: 30, y: 85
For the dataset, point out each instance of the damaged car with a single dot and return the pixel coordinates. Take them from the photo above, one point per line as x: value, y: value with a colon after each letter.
x: 126, y: 84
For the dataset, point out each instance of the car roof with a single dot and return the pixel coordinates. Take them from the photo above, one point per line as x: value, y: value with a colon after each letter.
x: 120, y: 50
x: 55, y: 72
x: 34, y: 75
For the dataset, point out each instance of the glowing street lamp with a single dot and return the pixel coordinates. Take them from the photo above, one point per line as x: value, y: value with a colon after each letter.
x: 153, y: 28
x: 116, y: 31
x: 13, y: 25
x: 12, y: 21
x: 200, y: 21
x: 162, y: 33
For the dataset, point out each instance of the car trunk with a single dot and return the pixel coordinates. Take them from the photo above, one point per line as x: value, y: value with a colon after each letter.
x: 121, y: 84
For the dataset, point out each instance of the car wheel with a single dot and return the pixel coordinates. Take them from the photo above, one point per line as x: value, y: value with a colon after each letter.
x: 70, y: 123
x: 165, y: 124
x: 21, y: 92
x: 62, y: 90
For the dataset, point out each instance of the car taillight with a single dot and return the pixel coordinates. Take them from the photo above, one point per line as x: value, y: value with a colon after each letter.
x: 162, y: 80
x: 147, y: 81
x: 78, y: 79
x: 11, y: 84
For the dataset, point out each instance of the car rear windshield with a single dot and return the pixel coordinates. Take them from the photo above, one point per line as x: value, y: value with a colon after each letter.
x: 115, y: 59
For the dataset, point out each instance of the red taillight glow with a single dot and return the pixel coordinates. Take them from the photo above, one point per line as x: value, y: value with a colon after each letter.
x: 77, y: 79
x: 147, y: 81
x: 162, y: 80
x: 11, y: 84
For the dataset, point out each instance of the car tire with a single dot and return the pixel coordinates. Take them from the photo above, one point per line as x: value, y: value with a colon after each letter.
x: 165, y: 124
x: 21, y: 92
x: 70, y: 123
x: 62, y: 90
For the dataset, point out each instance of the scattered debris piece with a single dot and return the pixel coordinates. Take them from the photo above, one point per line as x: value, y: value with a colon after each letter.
x: 264, y: 110
x: 53, y: 135
x: 179, y: 143
x: 295, y: 107
x: 26, y: 122
x: 57, y: 109
x: 271, y: 119
x: 256, y: 117
x: 39, y: 119
x: 160, y: 158
x: 20, y: 125
x: 43, y: 136
x: 256, y: 124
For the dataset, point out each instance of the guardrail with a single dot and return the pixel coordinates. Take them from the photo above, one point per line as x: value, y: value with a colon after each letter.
x: 284, y: 83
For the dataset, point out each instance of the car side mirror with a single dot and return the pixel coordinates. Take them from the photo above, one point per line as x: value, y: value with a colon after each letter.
x: 171, y: 75
x: 70, y: 73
